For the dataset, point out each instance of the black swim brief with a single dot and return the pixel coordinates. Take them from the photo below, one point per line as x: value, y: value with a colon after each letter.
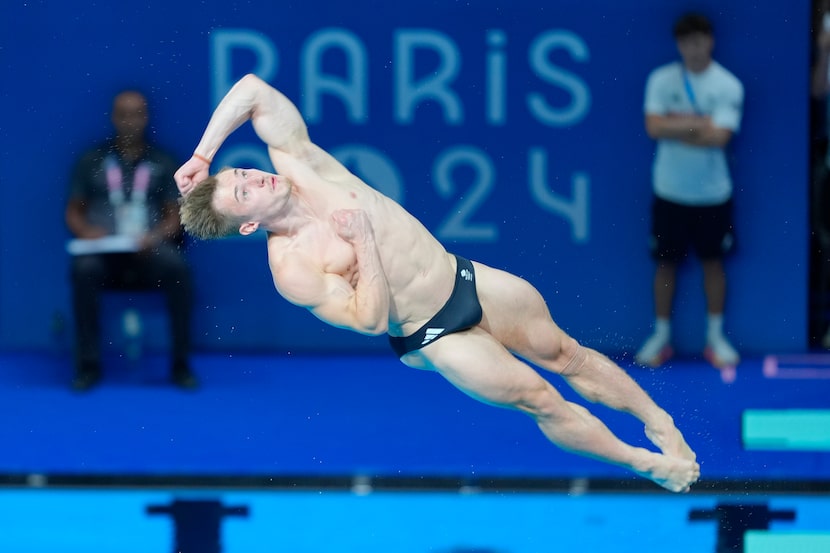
x: 462, y: 311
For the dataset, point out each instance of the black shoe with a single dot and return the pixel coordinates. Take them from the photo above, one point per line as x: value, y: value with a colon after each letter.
x: 86, y: 378
x: 183, y: 377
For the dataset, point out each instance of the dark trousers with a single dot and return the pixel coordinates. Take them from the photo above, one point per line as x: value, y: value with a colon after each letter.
x: 164, y: 269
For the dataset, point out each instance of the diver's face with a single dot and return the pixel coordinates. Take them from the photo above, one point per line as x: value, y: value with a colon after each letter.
x: 250, y: 194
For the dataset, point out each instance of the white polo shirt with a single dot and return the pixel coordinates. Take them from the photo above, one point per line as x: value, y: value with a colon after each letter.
x: 682, y: 173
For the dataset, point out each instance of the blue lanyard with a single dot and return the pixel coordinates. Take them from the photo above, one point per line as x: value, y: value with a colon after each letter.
x: 690, y: 92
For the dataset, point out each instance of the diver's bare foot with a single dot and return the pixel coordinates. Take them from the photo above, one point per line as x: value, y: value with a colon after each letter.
x: 674, y: 474
x: 670, y: 441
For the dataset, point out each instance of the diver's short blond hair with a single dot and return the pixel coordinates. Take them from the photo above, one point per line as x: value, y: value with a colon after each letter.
x: 200, y: 218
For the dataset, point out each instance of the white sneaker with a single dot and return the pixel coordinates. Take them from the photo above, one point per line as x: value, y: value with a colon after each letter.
x: 720, y: 353
x: 654, y: 352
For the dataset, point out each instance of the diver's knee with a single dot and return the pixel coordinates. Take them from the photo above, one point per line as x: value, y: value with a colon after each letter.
x: 576, y: 355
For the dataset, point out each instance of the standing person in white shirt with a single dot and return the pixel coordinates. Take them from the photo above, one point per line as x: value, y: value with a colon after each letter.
x: 692, y: 109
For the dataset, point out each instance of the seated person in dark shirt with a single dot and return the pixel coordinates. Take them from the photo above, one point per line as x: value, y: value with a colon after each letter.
x: 124, y: 187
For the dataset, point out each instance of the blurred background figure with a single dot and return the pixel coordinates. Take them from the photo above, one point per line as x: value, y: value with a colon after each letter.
x: 692, y: 108
x: 123, y: 209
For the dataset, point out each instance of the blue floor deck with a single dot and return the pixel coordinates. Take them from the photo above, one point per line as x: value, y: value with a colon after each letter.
x: 320, y: 416
x: 93, y: 521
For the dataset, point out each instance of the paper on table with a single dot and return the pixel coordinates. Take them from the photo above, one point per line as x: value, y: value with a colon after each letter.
x: 117, y: 243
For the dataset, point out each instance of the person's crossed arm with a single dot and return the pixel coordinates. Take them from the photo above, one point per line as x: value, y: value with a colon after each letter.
x: 360, y: 303
x: 696, y: 130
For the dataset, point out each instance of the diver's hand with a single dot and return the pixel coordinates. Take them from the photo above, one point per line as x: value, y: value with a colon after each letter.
x: 191, y: 173
x: 352, y: 225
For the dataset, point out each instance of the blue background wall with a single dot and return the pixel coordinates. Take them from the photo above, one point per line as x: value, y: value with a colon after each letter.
x: 541, y: 99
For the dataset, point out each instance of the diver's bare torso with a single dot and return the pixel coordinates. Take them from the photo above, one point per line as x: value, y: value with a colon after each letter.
x: 419, y: 271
